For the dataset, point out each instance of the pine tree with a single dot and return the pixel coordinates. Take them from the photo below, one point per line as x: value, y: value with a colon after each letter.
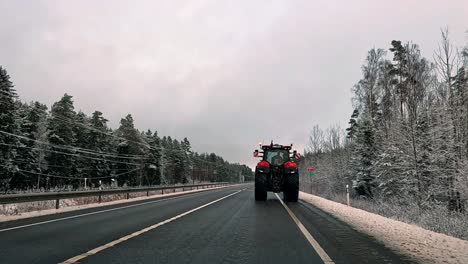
x: 351, y: 130
x: 81, y: 165
x: 399, y: 70
x: 60, y: 132
x: 180, y: 162
x: 30, y: 153
x: 365, y: 154
x: 8, y: 126
x: 187, y: 156
x: 153, y: 161
x: 99, y: 141
x: 130, y: 145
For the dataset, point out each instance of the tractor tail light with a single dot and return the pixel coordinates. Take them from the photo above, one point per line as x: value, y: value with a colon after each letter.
x: 263, y: 164
x: 290, y: 165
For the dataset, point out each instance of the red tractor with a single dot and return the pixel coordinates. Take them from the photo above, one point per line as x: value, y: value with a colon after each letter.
x: 277, y: 172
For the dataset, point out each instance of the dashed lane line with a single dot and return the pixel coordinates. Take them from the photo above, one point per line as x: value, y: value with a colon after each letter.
x: 322, y: 254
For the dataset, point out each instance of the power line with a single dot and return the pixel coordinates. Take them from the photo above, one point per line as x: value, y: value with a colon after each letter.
x: 71, y: 154
x: 64, y: 119
x: 25, y: 161
x: 73, y: 178
x: 73, y: 148
x: 72, y: 121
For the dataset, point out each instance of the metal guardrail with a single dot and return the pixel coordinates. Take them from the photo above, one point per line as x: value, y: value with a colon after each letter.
x: 57, y: 196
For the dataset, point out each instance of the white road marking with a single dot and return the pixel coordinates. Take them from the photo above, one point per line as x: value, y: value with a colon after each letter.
x: 99, y: 212
x: 322, y: 254
x: 127, y: 237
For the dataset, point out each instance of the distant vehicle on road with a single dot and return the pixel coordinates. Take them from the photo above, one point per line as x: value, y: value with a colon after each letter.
x: 277, y: 172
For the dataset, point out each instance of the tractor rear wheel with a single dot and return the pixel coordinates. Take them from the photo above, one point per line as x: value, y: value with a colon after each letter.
x: 291, y: 189
x: 260, y: 188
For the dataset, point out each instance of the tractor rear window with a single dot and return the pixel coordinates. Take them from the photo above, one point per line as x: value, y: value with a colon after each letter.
x: 277, y: 156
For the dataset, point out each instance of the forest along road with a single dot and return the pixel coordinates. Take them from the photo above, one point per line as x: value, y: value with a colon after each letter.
x: 219, y: 226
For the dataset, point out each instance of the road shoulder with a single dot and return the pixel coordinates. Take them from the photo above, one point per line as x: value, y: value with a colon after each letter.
x: 419, y: 244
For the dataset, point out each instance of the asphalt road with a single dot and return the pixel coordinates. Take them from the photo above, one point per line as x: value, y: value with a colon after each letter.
x: 219, y: 226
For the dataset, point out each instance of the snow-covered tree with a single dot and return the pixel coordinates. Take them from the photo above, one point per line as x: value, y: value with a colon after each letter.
x: 8, y: 126
x: 98, y: 140
x: 33, y: 120
x: 154, y: 157
x: 130, y: 144
x: 61, y: 161
x: 364, y: 157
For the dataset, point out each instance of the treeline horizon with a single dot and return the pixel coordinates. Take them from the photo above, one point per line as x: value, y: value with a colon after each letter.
x: 43, y: 148
x: 407, y: 140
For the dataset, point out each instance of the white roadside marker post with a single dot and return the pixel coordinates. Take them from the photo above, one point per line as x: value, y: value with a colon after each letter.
x: 347, y: 194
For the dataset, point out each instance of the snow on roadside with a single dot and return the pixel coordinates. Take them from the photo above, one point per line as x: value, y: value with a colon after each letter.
x: 422, y: 245
x: 4, y: 218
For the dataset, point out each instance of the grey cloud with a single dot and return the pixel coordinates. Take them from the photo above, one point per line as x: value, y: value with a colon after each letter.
x: 226, y: 74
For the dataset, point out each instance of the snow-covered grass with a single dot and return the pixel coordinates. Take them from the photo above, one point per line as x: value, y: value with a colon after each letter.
x: 437, y: 218
x: 421, y: 244
x: 25, y: 210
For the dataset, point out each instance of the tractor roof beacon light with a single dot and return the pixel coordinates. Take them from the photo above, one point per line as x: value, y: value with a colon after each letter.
x: 255, y: 154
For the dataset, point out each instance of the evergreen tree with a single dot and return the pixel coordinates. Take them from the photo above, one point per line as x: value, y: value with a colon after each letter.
x: 130, y: 144
x: 99, y: 141
x: 153, y: 159
x: 365, y: 154
x: 8, y: 126
x: 351, y: 130
x: 179, y: 162
x: 81, y: 164
x: 60, y: 132
x: 399, y: 70
x: 30, y: 153
x: 187, y: 157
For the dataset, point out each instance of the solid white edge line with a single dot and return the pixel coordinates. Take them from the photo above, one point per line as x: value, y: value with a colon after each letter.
x: 127, y: 237
x: 105, y: 211
x: 322, y: 254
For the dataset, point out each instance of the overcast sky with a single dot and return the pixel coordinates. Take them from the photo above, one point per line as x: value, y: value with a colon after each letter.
x: 225, y: 74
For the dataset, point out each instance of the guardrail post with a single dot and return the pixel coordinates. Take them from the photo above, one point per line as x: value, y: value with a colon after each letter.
x: 183, y: 188
x: 147, y: 193
x: 162, y: 191
x: 128, y: 195
x: 57, y: 204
